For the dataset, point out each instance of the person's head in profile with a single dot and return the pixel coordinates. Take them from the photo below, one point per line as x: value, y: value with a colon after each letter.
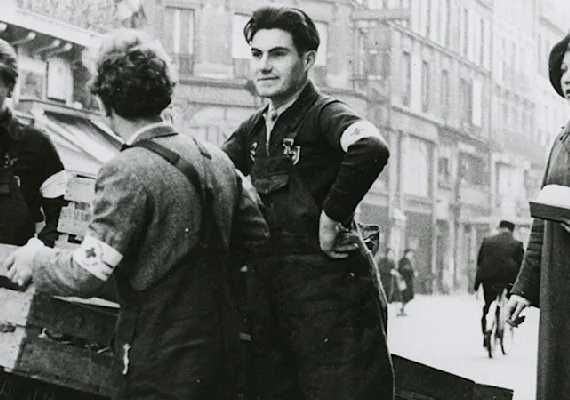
x: 134, y: 79
x: 559, y: 66
x: 8, y: 73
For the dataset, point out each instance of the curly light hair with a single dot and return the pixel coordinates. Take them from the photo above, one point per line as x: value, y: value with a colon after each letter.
x: 134, y: 78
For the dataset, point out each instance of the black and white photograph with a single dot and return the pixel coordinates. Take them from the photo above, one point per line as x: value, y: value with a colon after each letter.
x: 284, y: 200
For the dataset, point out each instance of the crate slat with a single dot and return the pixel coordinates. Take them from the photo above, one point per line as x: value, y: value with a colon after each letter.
x: 74, y: 367
x: 83, y: 321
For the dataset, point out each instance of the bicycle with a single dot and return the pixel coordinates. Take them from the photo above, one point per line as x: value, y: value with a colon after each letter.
x: 501, y: 330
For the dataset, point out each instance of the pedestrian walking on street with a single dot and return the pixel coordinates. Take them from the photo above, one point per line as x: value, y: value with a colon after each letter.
x: 544, y: 277
x: 32, y: 177
x: 168, y: 215
x: 498, y: 263
x: 408, y: 273
x: 388, y: 271
x: 318, y: 320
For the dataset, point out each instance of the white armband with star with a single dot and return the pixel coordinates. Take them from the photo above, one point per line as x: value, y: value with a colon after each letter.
x: 356, y: 131
x: 97, y: 257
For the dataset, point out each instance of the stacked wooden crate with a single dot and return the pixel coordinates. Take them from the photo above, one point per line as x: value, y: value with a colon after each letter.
x: 75, y: 215
x: 61, y: 341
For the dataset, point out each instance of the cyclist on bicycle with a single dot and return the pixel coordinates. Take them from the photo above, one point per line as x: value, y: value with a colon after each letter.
x: 498, y: 264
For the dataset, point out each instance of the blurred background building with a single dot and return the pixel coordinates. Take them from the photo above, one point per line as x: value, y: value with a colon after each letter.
x: 459, y: 88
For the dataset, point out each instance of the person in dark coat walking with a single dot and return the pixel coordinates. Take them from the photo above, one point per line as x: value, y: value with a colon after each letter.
x: 408, y: 273
x: 318, y: 319
x: 544, y: 277
x: 169, y: 214
x: 498, y: 262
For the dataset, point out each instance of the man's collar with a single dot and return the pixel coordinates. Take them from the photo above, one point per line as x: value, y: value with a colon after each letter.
x: 276, y: 112
x: 150, y: 131
x: 307, y: 97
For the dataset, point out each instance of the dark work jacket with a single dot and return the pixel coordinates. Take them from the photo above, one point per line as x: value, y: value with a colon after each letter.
x: 303, y: 169
x: 27, y: 159
x: 499, y: 259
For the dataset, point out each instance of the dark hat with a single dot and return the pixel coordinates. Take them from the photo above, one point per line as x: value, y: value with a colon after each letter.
x: 507, y: 224
x: 555, y: 63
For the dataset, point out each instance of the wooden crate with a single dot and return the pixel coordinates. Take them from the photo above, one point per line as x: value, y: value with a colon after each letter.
x: 79, y: 362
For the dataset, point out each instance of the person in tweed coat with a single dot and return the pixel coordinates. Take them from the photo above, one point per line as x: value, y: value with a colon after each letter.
x: 166, y: 236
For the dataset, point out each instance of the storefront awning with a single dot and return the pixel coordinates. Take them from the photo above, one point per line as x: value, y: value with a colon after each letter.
x: 83, y: 145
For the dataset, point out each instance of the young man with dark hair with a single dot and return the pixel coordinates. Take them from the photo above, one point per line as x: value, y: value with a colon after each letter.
x: 169, y: 214
x: 498, y: 263
x: 32, y: 178
x: 318, y: 322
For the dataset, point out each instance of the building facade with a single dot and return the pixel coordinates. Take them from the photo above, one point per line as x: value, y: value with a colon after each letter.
x: 459, y: 89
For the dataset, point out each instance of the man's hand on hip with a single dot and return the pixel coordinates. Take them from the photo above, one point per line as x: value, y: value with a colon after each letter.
x: 336, y: 241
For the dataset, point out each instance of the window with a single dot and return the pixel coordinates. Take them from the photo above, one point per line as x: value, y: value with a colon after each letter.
x: 443, y: 172
x: 504, y: 61
x: 514, y: 61
x: 482, y: 42
x: 445, y: 93
x: 321, y: 59
x: 477, y: 103
x: 466, y: 105
x: 416, y: 166
x: 425, y: 86
x: 465, y: 46
x: 240, y: 48
x: 447, y: 23
x: 406, y: 78
x: 58, y: 79
x: 473, y: 170
x: 539, y: 52
x: 179, y: 37
x: 428, y: 18
x: 241, y: 51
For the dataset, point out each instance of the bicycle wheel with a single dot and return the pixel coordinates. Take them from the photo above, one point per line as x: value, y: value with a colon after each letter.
x: 507, y: 337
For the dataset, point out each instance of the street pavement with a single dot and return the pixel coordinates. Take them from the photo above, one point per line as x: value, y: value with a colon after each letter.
x: 444, y: 332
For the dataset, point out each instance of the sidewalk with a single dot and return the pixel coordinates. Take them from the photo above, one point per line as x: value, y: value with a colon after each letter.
x: 445, y: 332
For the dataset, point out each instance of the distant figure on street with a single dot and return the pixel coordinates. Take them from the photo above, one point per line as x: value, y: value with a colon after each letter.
x: 544, y: 278
x: 387, y: 267
x: 32, y: 177
x: 408, y: 273
x: 169, y: 216
x: 498, y: 264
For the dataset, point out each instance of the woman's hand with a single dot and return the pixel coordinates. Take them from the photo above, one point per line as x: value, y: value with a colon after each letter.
x: 515, y: 307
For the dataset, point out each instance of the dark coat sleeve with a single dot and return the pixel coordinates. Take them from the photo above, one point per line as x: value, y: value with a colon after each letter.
x: 527, y: 284
x: 362, y: 163
x: 249, y: 230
